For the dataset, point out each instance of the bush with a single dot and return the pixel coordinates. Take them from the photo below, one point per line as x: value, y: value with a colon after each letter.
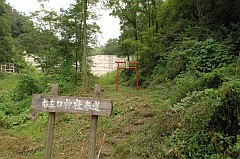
x: 26, y: 87
x: 209, y: 54
x: 2, y: 75
x: 67, y: 88
x: 175, y: 65
x: 193, y: 56
x: 14, y: 112
x: 210, y: 123
x: 128, y: 78
x: 108, y: 79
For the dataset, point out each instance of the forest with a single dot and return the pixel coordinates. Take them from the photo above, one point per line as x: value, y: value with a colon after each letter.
x: 188, y: 51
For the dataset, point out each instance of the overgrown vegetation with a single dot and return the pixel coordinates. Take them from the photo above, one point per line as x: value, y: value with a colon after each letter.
x: 189, y: 49
x: 188, y: 104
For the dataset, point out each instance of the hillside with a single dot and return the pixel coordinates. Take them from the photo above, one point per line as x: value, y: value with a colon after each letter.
x: 133, y: 113
x: 149, y: 123
x: 188, y: 70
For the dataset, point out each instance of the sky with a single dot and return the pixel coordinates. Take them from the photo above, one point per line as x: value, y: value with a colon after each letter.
x: 109, y: 25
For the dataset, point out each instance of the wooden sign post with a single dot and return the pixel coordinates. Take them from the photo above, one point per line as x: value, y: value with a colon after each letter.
x: 50, y: 129
x: 69, y: 104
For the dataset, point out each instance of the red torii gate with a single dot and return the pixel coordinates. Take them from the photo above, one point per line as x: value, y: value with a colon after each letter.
x: 128, y: 65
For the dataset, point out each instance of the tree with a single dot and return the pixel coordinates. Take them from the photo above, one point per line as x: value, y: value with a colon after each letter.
x: 112, y: 47
x: 151, y: 29
x: 5, y: 31
x: 67, y: 37
x: 84, y: 59
x: 42, y: 45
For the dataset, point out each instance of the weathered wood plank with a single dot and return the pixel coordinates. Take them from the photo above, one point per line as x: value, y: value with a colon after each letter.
x: 50, y: 129
x: 70, y: 104
x: 93, y: 128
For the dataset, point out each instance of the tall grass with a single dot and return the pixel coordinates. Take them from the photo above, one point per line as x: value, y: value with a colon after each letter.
x: 8, y: 83
x: 108, y: 79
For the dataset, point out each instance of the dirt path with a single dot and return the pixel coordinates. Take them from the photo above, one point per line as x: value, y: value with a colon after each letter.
x: 132, y: 111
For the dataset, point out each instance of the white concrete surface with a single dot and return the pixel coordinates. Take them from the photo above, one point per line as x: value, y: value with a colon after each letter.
x: 102, y: 64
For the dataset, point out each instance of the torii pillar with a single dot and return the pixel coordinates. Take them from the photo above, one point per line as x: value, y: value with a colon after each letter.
x: 128, y: 65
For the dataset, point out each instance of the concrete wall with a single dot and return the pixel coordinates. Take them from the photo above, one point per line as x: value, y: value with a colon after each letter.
x: 102, y: 64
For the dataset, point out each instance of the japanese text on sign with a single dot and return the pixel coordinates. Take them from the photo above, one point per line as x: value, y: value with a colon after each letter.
x: 68, y: 104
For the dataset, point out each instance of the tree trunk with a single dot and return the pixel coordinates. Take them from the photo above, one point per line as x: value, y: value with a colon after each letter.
x: 76, y: 50
x: 84, y: 59
x: 199, y: 11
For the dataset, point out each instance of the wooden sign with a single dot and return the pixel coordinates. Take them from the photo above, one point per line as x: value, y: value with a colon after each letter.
x: 69, y: 104
x: 54, y: 103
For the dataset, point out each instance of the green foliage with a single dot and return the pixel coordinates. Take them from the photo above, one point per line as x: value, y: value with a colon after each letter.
x: 108, y: 79
x: 5, y: 23
x: 5, y: 49
x: 186, y: 51
x: 208, y: 107
x: 226, y: 120
x: 220, y: 12
x: 26, y: 87
x: 129, y: 47
x: 128, y: 78
x: 178, y: 33
x: 42, y: 45
x: 8, y: 83
x: 193, y: 56
x: 15, y: 99
x: 2, y: 75
x: 67, y: 88
x: 12, y: 25
x: 67, y: 71
x: 14, y: 112
x: 112, y: 47
x: 210, y: 123
x: 237, y: 145
x: 169, y: 68
x: 208, y: 54
x: 176, y: 10
x: 95, y: 51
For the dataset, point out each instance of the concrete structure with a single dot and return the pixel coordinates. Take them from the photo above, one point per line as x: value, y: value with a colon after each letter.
x: 102, y: 64
x: 30, y: 60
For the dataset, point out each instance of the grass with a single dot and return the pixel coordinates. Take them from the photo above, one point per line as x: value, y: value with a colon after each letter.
x: 108, y: 79
x: 135, y: 129
x: 8, y: 83
x: 141, y: 126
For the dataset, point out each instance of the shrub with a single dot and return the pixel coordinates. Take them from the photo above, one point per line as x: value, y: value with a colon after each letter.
x: 14, y: 112
x: 26, y: 87
x: 175, y: 65
x: 67, y: 88
x: 209, y: 54
x: 2, y: 75
x: 108, y: 79
x: 210, y: 123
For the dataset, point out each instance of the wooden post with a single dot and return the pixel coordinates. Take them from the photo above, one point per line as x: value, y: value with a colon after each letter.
x: 117, y: 77
x: 54, y: 103
x: 12, y: 68
x: 136, y: 70
x: 93, y: 128
x: 50, y: 129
